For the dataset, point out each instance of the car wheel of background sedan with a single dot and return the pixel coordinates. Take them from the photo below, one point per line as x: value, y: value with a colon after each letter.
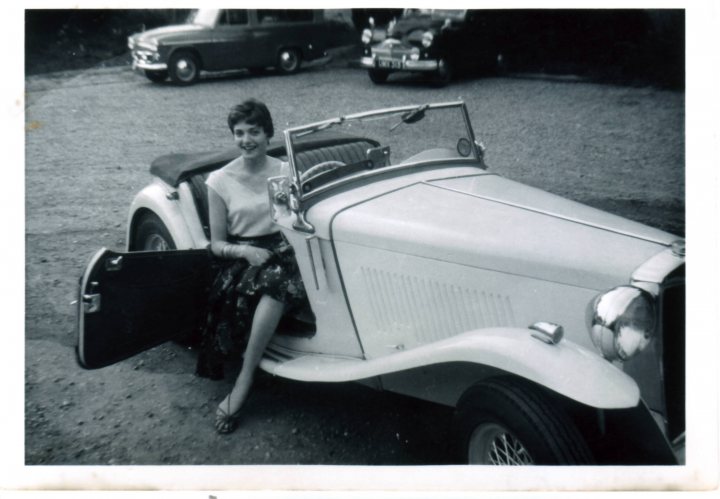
x: 152, y: 235
x: 378, y: 76
x: 156, y: 76
x: 444, y: 74
x: 184, y: 68
x: 288, y: 61
x: 510, y: 422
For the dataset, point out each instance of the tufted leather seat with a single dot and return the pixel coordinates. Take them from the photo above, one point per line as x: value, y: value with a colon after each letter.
x: 353, y: 152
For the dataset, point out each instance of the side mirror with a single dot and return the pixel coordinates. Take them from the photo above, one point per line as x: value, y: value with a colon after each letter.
x: 279, y: 192
x: 284, y: 202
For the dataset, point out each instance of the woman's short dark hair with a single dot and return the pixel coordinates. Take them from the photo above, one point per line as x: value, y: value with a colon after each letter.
x: 254, y: 112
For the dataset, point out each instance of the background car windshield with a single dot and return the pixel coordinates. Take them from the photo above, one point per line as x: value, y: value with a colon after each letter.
x: 395, y: 138
x: 204, y: 17
x: 436, y: 13
x: 448, y: 13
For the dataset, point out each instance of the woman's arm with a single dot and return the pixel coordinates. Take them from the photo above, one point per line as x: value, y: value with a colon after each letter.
x: 217, y: 212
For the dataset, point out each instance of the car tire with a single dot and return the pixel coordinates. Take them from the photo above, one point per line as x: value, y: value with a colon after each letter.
x: 288, y: 60
x: 156, y: 76
x: 444, y: 74
x: 512, y: 422
x: 378, y: 76
x: 151, y: 235
x: 184, y: 68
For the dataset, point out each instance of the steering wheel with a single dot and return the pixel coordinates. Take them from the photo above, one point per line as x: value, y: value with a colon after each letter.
x: 323, y: 167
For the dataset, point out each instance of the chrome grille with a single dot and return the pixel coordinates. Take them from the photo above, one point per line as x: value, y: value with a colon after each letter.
x: 672, y: 310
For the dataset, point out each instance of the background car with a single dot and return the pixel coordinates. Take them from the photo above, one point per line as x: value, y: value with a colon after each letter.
x: 222, y: 39
x: 440, y: 42
x: 555, y: 330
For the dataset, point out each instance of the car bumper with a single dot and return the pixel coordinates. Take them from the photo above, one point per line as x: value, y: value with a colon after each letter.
x: 147, y: 66
x: 143, y: 60
x: 398, y: 64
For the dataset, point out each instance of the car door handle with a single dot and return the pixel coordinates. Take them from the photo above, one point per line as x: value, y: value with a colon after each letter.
x: 114, y: 264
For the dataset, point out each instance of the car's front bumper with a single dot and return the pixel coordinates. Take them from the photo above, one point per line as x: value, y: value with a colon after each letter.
x: 147, y: 60
x: 399, y: 63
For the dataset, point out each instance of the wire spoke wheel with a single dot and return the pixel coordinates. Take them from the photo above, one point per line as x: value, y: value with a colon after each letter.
x: 493, y: 444
x: 513, y: 422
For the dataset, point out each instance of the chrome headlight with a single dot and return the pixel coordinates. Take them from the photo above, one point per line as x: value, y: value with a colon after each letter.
x: 622, y: 321
x: 366, y: 36
x: 427, y: 39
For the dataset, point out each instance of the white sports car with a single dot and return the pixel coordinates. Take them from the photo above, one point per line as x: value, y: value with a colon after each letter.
x: 556, y: 330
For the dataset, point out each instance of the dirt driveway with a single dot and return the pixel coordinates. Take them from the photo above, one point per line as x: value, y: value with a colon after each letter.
x: 90, y: 136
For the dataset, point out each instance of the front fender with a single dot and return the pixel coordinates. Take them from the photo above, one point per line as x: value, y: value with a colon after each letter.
x: 565, y: 368
x: 176, y: 209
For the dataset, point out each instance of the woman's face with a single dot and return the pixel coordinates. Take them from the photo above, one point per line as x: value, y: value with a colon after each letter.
x: 251, y: 139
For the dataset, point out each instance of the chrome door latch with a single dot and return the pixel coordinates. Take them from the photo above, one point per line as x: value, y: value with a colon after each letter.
x: 91, y: 299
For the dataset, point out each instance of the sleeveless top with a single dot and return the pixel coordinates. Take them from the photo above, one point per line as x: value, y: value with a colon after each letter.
x: 246, y: 198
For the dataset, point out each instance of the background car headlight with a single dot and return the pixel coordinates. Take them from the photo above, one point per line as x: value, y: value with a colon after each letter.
x: 427, y: 39
x: 366, y: 36
x: 622, y: 321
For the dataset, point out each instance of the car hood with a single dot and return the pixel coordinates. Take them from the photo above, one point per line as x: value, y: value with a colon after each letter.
x: 168, y: 33
x: 489, y: 222
x: 407, y: 25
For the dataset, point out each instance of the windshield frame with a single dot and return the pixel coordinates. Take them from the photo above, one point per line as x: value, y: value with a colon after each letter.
x: 329, y: 123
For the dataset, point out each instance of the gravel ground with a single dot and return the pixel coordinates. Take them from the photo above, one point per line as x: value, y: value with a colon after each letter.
x: 90, y: 136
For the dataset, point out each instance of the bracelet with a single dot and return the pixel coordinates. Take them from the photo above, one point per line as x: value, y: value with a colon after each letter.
x: 233, y: 251
x: 227, y: 251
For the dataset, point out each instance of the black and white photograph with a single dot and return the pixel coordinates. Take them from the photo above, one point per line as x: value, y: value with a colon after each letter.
x: 364, y: 248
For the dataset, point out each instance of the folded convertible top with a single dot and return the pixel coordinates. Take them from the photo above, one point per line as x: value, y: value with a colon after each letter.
x: 177, y: 167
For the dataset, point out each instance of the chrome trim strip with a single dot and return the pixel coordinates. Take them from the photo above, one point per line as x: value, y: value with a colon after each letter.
x: 551, y: 214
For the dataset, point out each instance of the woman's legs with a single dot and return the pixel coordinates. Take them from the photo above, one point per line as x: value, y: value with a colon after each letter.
x: 265, y: 320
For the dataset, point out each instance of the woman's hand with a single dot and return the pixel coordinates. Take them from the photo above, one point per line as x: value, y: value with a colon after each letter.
x: 254, y: 255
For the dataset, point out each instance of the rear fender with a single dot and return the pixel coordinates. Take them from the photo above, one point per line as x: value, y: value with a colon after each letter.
x: 175, y: 207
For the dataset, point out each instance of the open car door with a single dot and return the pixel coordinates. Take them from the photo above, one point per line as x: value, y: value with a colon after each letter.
x: 130, y: 302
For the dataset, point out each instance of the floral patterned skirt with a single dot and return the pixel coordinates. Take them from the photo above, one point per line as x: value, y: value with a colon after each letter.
x: 234, y: 295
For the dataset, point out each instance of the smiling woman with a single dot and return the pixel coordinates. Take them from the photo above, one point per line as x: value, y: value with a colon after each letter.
x: 259, y: 276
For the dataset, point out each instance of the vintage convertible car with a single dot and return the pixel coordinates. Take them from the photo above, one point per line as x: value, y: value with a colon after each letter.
x: 222, y: 39
x: 556, y: 330
x: 439, y: 42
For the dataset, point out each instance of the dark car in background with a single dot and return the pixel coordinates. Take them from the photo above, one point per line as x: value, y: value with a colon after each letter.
x: 440, y: 42
x: 223, y: 39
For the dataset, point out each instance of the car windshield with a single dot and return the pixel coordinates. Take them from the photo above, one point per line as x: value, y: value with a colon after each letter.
x: 454, y: 14
x: 203, y: 17
x: 364, y: 143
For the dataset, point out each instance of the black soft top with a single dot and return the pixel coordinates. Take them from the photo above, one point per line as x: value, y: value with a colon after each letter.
x: 177, y: 167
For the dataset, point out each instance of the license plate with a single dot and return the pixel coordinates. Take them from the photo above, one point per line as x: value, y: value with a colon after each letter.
x: 389, y: 64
